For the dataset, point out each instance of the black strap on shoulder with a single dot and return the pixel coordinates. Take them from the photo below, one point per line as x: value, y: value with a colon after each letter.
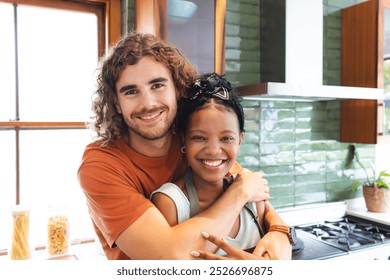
x: 256, y: 221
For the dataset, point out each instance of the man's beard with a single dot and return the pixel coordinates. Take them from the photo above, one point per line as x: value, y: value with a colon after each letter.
x: 152, y: 135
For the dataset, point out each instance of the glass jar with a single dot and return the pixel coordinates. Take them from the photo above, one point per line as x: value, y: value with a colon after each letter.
x: 58, y: 231
x: 20, y: 247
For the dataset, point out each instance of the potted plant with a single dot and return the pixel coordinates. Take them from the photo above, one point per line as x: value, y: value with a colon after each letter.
x: 376, y: 191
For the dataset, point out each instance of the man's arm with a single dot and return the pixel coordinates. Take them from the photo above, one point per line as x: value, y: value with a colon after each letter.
x: 151, y: 237
x: 274, y: 245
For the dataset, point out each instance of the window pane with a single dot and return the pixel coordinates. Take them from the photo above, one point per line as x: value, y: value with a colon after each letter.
x: 7, y: 185
x: 7, y: 62
x: 49, y: 163
x: 58, y: 55
x: 190, y: 27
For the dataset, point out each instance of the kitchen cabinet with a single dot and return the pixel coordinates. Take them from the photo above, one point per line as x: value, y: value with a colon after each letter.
x: 363, y: 44
x: 199, y: 35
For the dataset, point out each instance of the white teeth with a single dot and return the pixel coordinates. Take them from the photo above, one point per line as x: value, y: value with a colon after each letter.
x: 212, y: 163
x: 149, y: 116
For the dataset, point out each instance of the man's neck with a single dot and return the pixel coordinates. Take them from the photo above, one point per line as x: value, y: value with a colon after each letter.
x: 149, y: 148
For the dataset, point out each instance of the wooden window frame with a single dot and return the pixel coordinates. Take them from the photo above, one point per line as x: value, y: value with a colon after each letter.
x: 109, y: 25
x: 108, y: 13
x: 151, y: 18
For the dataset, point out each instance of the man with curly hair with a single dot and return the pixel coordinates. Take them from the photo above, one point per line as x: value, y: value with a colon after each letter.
x: 137, y: 150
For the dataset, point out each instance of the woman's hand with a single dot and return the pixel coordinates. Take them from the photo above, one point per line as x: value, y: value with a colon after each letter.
x: 232, y: 252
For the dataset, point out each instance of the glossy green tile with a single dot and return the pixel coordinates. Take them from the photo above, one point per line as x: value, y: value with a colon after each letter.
x: 311, y: 125
x: 280, y: 191
x: 277, y: 159
x: 279, y: 171
x: 250, y: 162
x: 311, y: 178
x: 251, y: 113
x: 251, y: 17
x: 306, y: 188
x: 252, y: 126
x: 277, y: 136
x: 310, y: 136
x: 309, y: 198
x: 311, y: 156
x: 310, y: 167
x: 310, y: 146
x: 249, y: 149
x: 338, y: 176
x: 251, y: 138
x: 275, y: 148
x: 281, y: 201
x: 273, y: 125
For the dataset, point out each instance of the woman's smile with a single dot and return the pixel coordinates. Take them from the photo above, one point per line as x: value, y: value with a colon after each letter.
x: 212, y: 163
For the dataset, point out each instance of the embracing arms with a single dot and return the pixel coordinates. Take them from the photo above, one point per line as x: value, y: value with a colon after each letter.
x: 274, y: 245
x: 151, y: 237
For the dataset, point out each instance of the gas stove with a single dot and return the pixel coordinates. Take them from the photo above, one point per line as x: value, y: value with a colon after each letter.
x: 328, y: 231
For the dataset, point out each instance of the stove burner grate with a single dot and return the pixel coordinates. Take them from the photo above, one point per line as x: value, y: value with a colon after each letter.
x: 349, y: 233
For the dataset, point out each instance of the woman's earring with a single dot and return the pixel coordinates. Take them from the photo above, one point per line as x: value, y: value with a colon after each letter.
x: 183, y: 150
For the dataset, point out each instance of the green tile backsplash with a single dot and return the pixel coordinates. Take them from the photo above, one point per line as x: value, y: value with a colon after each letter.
x: 296, y: 145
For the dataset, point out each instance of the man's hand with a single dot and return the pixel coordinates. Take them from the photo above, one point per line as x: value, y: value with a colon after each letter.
x: 254, y: 186
x: 276, y: 245
x: 232, y: 252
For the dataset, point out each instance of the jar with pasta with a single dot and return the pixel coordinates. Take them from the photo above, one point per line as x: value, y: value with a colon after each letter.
x: 58, y: 231
x: 20, y: 247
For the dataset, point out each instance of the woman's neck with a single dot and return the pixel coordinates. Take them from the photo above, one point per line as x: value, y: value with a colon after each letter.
x: 208, y: 192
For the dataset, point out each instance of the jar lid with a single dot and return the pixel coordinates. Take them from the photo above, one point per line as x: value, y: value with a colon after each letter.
x: 20, y: 210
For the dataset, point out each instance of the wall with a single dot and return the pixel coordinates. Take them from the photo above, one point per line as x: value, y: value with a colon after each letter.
x: 295, y: 144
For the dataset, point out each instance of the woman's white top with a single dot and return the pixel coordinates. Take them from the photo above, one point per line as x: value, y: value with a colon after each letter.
x: 248, y: 234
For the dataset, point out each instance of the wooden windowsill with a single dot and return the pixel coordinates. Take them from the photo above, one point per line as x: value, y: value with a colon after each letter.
x: 42, y: 125
x: 82, y: 251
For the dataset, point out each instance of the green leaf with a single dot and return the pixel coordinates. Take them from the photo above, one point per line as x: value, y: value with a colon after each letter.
x: 355, y: 185
x: 384, y: 174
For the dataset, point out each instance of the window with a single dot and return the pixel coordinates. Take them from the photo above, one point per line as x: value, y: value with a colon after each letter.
x: 48, y: 57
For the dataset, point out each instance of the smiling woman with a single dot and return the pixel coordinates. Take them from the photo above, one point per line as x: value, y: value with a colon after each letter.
x: 48, y: 57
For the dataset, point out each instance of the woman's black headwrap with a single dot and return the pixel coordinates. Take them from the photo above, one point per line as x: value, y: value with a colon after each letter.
x: 208, y: 86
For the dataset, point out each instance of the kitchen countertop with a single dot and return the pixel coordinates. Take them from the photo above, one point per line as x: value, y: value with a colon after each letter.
x: 310, y: 213
x: 357, y: 207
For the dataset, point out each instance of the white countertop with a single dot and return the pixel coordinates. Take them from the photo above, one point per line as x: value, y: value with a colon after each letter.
x: 357, y: 207
x: 313, y: 213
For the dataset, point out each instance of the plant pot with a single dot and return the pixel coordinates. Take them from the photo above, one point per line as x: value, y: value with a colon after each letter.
x: 377, y: 199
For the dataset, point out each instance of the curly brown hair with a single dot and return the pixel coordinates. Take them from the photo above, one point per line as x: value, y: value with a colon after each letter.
x: 108, y: 123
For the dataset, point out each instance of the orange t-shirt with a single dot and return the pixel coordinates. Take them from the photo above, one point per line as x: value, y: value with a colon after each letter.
x: 118, y: 181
